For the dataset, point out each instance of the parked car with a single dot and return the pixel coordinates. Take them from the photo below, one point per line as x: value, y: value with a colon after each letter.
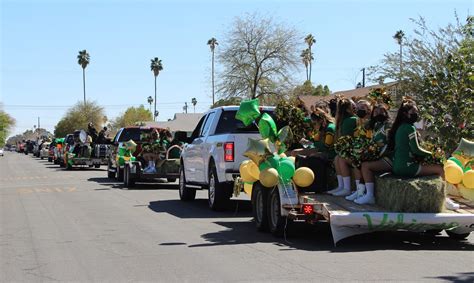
x: 114, y: 169
x: 1, y: 151
x: 212, y: 157
x: 44, y: 151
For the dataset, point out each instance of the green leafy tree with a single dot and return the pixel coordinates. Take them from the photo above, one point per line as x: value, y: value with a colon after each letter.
x: 258, y: 58
x: 132, y: 116
x: 307, y: 88
x: 6, y: 123
x: 156, y: 67
x: 78, y: 117
x: 227, y: 101
x: 83, y: 59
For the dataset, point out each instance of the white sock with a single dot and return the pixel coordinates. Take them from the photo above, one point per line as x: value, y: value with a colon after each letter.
x: 370, y: 189
x: 340, y: 182
x: 357, y: 183
x: 347, y: 183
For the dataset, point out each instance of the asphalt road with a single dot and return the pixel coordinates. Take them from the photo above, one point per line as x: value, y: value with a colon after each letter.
x: 78, y: 225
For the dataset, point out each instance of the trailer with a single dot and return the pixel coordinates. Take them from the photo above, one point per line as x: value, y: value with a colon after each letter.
x: 167, y: 168
x: 96, y: 159
x: 274, y: 208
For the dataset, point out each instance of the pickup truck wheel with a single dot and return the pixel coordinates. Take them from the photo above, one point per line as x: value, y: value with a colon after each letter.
x: 42, y: 157
x: 110, y: 174
x: 457, y: 236
x: 260, y: 207
x: 119, y: 173
x: 276, y: 222
x: 185, y: 193
x: 171, y: 180
x: 218, y: 193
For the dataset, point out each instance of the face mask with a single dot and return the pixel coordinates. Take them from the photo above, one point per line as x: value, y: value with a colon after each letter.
x: 380, y: 118
x: 361, y: 113
x: 413, y: 118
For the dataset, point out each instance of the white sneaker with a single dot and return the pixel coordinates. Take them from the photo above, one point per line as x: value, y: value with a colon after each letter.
x: 365, y: 199
x: 334, y: 190
x: 342, y: 193
x: 353, y: 196
x: 451, y: 205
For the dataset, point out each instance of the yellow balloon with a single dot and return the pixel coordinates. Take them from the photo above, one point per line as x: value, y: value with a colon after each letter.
x: 468, y: 179
x: 248, y: 188
x: 282, y: 154
x: 245, y: 173
x: 449, y: 162
x: 253, y: 170
x: 269, y: 177
x: 292, y: 158
x: 303, y: 177
x: 453, y: 174
x: 466, y: 193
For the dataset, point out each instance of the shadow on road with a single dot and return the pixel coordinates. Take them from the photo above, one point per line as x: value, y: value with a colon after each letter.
x: 464, y: 277
x: 199, y: 209
x: 114, y: 184
x: 318, y: 238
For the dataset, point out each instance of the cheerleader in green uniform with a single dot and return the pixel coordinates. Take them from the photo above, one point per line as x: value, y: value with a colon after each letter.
x: 380, y: 124
x: 346, y: 123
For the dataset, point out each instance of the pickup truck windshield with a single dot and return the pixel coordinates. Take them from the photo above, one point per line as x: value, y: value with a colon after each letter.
x: 228, y: 124
x: 132, y: 134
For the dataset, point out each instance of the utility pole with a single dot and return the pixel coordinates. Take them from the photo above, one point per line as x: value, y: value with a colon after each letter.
x: 185, y: 107
x: 39, y: 123
x: 363, y: 77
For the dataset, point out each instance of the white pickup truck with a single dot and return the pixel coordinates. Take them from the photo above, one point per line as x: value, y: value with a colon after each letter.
x: 212, y: 157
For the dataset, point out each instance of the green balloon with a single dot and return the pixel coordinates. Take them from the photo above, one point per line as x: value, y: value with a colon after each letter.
x: 274, y: 161
x: 264, y: 165
x: 267, y: 127
x: 248, y: 111
x: 286, y: 170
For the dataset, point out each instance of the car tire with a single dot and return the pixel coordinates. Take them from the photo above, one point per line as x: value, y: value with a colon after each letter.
x: 185, y: 193
x: 50, y: 159
x: 260, y: 207
x: 277, y: 223
x: 218, y: 193
x: 42, y: 157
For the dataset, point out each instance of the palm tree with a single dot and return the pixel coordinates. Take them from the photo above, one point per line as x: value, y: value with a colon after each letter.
x: 310, y: 40
x: 156, y: 67
x: 194, y: 102
x: 150, y: 101
x: 212, y: 44
x: 83, y: 59
x: 399, y: 36
x: 306, y: 58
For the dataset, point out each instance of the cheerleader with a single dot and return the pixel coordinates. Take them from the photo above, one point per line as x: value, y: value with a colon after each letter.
x: 346, y: 123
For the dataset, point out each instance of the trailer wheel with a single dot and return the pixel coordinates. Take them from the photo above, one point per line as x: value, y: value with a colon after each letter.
x: 276, y: 222
x: 110, y: 174
x: 119, y: 173
x: 171, y: 180
x: 260, y: 207
x: 97, y: 166
x: 185, y: 193
x: 91, y: 165
x: 457, y: 236
x: 128, y: 181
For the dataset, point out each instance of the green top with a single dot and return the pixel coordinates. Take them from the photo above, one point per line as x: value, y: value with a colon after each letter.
x: 380, y: 133
x: 406, y: 145
x: 325, y: 143
x: 349, y: 125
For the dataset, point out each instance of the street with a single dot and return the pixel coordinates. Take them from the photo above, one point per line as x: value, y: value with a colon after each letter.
x: 77, y: 225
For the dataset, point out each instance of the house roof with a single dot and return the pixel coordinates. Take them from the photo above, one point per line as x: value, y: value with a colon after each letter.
x: 181, y: 122
x: 309, y: 100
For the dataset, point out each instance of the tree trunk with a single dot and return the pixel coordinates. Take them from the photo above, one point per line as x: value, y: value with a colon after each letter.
x: 307, y: 74
x: 310, y: 63
x: 84, y: 83
x: 154, y: 112
x: 213, y: 77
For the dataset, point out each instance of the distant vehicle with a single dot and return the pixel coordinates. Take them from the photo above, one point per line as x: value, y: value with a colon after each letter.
x: 13, y: 148
x: 85, y: 153
x: 212, y: 157
x: 52, y: 145
x: 44, y: 151
x: 1, y: 151
x: 114, y: 169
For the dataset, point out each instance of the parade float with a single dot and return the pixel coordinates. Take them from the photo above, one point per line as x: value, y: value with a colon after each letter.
x: 279, y: 192
x: 84, y: 152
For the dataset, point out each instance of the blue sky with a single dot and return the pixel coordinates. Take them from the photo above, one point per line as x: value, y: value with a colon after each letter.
x: 40, y: 41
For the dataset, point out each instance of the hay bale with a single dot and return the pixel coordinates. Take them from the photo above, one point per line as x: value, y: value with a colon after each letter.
x: 421, y: 194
